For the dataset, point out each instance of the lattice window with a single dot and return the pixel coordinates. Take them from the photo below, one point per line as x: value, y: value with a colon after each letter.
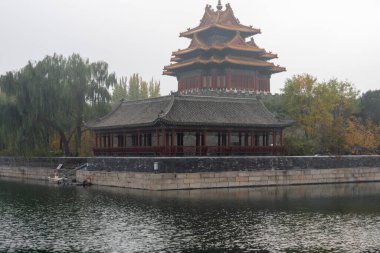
x: 221, y: 81
x: 207, y: 81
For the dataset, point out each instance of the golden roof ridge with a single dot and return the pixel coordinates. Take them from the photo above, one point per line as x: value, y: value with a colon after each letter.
x: 221, y: 19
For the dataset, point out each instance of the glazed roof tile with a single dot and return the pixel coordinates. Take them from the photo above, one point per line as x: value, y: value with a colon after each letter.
x: 189, y: 110
x: 224, y: 20
x: 219, y: 60
x: 236, y: 43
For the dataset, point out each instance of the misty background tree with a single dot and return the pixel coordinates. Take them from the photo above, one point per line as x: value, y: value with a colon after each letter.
x: 135, y: 88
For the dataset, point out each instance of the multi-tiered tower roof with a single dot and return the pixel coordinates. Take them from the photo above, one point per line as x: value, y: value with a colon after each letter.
x: 204, y: 117
x: 222, y: 55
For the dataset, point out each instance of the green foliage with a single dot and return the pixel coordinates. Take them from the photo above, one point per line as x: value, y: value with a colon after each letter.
x: 34, y: 95
x: 144, y: 93
x: 276, y: 104
x: 321, y: 111
x: 97, y: 95
x: 331, y: 139
x: 137, y: 88
x: 120, y: 90
x: 295, y: 143
x: 54, y: 95
x: 370, y: 106
x: 134, y: 87
x: 154, y: 89
x: 2, y: 132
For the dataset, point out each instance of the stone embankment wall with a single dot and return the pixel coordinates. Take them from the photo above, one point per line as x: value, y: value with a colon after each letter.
x: 35, y: 168
x: 204, y: 172
x: 199, y: 180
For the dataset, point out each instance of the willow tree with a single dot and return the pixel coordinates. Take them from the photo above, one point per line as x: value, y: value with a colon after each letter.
x: 6, y: 106
x: 88, y: 85
x: 53, y: 96
x: 32, y: 109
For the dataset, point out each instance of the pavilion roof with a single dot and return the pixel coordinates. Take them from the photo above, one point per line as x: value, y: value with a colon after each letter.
x: 233, y: 49
x: 224, y: 20
x: 230, y: 59
x: 189, y: 110
x: 237, y: 43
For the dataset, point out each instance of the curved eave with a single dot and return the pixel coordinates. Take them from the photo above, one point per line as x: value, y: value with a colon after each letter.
x: 92, y: 124
x: 168, y: 73
x: 227, y: 125
x: 197, y: 124
x: 175, y: 59
x: 252, y: 63
x: 218, y: 47
x: 269, y: 56
x: 147, y: 124
x: 277, y: 69
x: 244, y: 30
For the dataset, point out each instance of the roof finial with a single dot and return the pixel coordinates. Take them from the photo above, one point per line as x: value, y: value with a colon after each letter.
x: 219, y: 6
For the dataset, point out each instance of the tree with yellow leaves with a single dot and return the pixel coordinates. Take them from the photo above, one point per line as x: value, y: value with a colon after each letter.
x: 361, y: 137
x: 320, y: 110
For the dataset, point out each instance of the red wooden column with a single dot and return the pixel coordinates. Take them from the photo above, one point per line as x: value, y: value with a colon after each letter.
x: 172, y: 151
x: 205, y: 142
x: 158, y: 138
x: 228, y: 79
x: 265, y: 138
x: 229, y: 140
x: 200, y: 81
x: 163, y: 140
x: 213, y: 79
x: 274, y: 148
x: 281, y: 138
x: 96, y: 140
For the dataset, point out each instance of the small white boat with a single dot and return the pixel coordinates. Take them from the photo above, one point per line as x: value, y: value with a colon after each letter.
x: 56, y: 179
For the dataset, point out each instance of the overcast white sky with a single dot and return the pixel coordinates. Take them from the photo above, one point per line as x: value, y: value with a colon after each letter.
x: 325, y: 38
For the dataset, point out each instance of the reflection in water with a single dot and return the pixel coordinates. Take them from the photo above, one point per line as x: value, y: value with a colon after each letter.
x: 36, y: 217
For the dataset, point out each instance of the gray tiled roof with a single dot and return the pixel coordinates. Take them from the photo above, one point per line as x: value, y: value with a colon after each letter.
x: 187, y: 110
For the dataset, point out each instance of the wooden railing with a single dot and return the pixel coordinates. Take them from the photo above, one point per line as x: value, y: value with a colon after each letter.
x: 189, y: 151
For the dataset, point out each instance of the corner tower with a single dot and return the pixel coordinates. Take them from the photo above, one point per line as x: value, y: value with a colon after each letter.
x: 222, y: 56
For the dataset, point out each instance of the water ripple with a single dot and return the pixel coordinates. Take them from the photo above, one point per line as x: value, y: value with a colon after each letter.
x: 335, y: 218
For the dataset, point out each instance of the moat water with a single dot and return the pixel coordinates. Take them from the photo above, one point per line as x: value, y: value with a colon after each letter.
x: 38, y: 217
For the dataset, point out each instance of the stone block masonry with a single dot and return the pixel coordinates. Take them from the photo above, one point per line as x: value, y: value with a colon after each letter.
x: 37, y: 173
x: 35, y: 168
x: 199, y: 180
x: 177, y: 173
